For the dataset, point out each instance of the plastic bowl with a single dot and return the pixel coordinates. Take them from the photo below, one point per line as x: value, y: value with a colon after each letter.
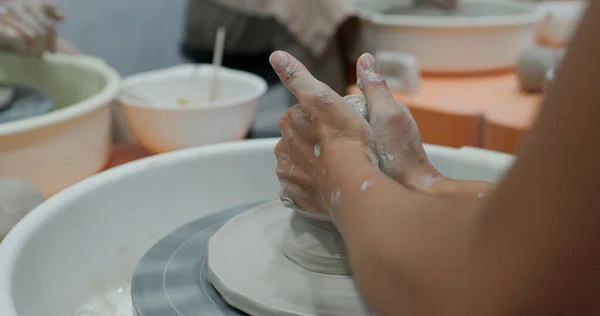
x: 86, y: 240
x: 478, y: 36
x: 70, y: 143
x: 151, y: 107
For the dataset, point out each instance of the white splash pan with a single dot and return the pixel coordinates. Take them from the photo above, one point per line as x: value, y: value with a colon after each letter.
x: 70, y: 143
x: 489, y: 35
x: 88, y: 238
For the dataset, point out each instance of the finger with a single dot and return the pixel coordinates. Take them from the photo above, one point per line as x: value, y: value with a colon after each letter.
x: 52, y: 12
x: 302, y: 123
x: 296, y: 131
x: 299, y: 149
x: 374, y: 87
x: 296, y: 78
x: 37, y: 22
x: 28, y: 16
x: 12, y: 40
x: 306, y: 201
x: 39, y: 13
x: 24, y: 37
x: 291, y: 172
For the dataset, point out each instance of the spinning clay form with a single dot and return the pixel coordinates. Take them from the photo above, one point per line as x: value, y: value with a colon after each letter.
x: 534, y: 64
x: 317, y: 245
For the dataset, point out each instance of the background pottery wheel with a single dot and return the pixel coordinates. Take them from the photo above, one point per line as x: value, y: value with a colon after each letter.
x: 18, y: 101
x: 246, y: 265
x: 171, y: 278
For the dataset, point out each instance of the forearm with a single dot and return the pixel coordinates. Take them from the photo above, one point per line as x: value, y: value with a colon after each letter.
x: 406, y: 256
x: 539, y: 235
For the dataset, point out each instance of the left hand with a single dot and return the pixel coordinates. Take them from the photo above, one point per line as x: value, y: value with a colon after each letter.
x: 28, y: 29
x: 316, y: 133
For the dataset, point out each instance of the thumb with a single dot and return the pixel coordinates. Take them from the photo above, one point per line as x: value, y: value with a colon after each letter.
x: 375, y: 88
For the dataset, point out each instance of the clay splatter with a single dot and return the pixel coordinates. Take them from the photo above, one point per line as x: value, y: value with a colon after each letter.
x: 335, y: 199
x: 317, y: 150
x: 366, y: 184
x: 324, y: 97
x: 293, y: 169
x: 481, y: 195
x: 428, y: 180
x: 390, y: 157
x: 298, y: 118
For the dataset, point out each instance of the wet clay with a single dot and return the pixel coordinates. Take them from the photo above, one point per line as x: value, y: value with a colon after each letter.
x: 534, y: 64
x: 315, y: 245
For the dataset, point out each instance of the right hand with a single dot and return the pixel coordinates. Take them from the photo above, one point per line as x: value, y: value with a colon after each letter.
x: 318, y: 133
x: 28, y: 29
x: 401, y: 151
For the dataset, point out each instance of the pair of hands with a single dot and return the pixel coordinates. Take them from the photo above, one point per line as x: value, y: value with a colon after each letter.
x: 28, y: 29
x: 323, y: 130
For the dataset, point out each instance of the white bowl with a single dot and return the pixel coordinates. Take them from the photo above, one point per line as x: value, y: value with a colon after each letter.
x: 484, y: 36
x: 64, y: 146
x: 87, y: 240
x: 561, y: 19
x: 161, y: 125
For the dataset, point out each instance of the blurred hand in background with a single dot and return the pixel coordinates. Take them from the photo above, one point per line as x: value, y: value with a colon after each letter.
x: 28, y: 28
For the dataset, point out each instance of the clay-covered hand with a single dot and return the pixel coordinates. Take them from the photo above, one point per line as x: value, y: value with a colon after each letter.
x: 28, y: 29
x: 316, y: 133
x: 401, y: 151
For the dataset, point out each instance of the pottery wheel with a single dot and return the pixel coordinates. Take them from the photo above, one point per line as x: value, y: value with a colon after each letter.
x: 18, y: 101
x: 237, y: 251
x: 248, y: 268
x: 171, y: 278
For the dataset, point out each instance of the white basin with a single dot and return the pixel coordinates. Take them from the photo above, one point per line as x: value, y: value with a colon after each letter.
x: 478, y: 36
x: 150, y: 106
x: 87, y: 239
x: 72, y: 142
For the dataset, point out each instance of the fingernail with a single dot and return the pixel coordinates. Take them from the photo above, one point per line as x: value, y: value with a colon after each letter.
x: 367, y: 63
x: 279, y: 60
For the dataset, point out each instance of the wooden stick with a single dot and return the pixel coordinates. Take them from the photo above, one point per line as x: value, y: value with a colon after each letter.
x: 217, y: 61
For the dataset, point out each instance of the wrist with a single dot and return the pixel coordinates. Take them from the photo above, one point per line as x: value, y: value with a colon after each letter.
x: 341, y: 163
x: 423, y: 178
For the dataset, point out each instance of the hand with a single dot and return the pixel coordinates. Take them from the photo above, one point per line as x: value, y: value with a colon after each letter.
x: 28, y: 29
x: 401, y: 151
x: 316, y: 133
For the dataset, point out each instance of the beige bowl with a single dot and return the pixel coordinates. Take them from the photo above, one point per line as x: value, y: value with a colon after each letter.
x: 161, y: 122
x: 70, y: 143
